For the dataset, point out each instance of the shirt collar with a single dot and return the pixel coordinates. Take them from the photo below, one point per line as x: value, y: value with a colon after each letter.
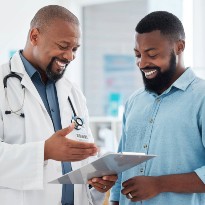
x: 32, y: 72
x: 181, y: 83
x: 28, y: 67
x: 184, y: 80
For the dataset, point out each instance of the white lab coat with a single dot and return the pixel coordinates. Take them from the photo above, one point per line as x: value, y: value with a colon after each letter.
x: 23, y: 172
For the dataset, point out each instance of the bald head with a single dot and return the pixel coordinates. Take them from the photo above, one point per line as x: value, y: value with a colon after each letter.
x: 46, y: 15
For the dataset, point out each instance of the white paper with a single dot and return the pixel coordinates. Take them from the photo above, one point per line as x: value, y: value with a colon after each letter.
x: 109, y: 164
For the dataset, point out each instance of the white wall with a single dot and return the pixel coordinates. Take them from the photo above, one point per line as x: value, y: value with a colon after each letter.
x: 15, y: 17
x: 199, y: 37
x: 183, y: 10
x: 109, y: 30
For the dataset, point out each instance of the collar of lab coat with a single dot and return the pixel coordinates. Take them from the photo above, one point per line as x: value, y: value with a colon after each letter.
x: 63, y: 86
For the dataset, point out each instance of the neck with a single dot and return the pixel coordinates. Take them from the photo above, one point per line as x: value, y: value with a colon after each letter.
x: 29, y: 58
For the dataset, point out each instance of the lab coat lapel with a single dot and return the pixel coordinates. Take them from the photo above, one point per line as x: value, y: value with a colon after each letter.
x: 63, y: 87
x: 18, y: 67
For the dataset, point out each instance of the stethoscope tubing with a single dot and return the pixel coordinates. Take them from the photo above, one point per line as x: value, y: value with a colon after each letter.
x: 77, y: 120
x: 13, y: 75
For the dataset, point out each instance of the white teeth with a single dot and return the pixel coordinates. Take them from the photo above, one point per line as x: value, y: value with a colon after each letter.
x: 60, y: 63
x: 149, y: 72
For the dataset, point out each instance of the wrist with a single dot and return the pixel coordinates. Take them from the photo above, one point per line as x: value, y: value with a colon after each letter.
x: 161, y: 184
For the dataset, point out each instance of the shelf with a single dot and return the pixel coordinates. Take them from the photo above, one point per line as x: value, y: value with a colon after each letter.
x: 106, y: 132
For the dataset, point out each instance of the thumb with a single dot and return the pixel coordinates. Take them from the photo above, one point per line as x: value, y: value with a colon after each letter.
x: 67, y: 130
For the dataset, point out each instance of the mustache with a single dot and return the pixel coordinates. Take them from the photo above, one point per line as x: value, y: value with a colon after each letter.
x: 63, y: 60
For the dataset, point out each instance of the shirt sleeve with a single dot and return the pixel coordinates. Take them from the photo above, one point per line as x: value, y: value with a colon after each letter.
x: 201, y: 121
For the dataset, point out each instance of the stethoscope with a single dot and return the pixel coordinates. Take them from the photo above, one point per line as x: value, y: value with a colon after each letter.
x: 13, y: 75
x: 77, y: 120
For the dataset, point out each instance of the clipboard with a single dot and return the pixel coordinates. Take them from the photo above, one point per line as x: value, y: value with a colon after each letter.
x: 109, y: 164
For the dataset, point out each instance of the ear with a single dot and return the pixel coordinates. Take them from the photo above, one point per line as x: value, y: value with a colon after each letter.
x: 179, y: 47
x: 34, y: 34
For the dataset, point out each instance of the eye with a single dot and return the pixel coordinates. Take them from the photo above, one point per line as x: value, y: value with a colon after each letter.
x: 138, y: 56
x: 62, y: 47
x: 75, y: 49
x: 153, y: 55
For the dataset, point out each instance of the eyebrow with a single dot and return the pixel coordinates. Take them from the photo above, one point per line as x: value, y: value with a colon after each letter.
x: 147, y: 50
x: 67, y: 43
x: 150, y: 49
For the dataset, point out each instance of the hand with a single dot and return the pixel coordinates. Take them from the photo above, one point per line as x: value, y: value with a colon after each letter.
x: 59, y: 148
x: 103, y: 184
x: 141, y: 188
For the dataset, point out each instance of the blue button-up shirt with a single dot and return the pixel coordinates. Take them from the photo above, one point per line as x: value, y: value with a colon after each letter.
x: 49, y: 97
x: 46, y: 91
x: 171, y: 126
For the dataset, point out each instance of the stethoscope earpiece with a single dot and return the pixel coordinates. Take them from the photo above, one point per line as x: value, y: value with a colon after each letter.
x: 7, y: 112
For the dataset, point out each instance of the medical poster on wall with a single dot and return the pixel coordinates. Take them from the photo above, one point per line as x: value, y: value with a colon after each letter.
x: 121, y: 77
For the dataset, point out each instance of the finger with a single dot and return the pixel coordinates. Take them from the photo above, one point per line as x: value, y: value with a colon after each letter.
x: 67, y: 130
x: 78, y: 154
x: 129, y: 195
x: 79, y: 151
x: 136, y: 197
x: 133, y: 197
x: 127, y: 190
x: 100, y: 187
x: 74, y: 158
x: 81, y: 145
x: 102, y: 182
x: 127, y: 183
x: 89, y: 182
x: 112, y: 178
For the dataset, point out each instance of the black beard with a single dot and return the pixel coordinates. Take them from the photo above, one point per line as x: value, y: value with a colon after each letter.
x: 51, y: 75
x: 162, y: 80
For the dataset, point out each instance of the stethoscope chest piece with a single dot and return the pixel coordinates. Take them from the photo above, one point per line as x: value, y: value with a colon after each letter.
x: 75, y: 119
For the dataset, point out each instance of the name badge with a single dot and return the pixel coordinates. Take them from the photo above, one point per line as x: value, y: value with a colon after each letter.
x: 81, y: 135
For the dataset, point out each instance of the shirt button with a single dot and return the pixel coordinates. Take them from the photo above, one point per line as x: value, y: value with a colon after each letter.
x: 52, y: 110
x: 145, y: 146
x: 158, y: 99
x: 151, y: 121
x: 141, y: 170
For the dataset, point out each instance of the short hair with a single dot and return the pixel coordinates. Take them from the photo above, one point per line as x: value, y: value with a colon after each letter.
x: 167, y: 23
x: 48, y: 14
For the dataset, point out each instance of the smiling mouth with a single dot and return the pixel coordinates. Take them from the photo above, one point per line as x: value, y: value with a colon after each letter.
x: 150, y: 73
x: 61, y: 65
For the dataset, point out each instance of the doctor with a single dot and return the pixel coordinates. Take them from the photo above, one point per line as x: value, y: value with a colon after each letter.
x: 37, y: 105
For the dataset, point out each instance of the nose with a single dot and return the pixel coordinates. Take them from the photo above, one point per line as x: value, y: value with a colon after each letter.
x: 142, y: 62
x: 69, y: 55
